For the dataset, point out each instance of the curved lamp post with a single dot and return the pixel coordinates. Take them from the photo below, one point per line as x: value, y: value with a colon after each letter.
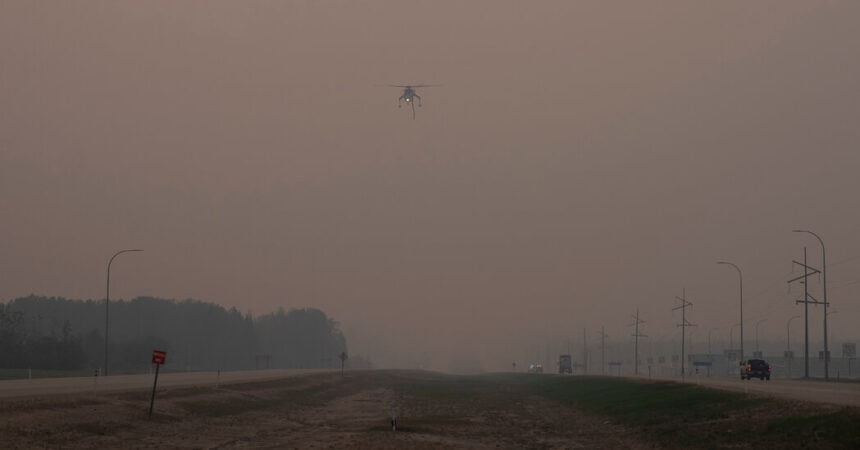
x: 757, y: 348
x: 107, y: 303
x: 824, y: 274
x: 741, y: 277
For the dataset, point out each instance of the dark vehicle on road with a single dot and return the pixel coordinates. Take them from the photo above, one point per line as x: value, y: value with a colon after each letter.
x: 564, y: 365
x: 756, y: 368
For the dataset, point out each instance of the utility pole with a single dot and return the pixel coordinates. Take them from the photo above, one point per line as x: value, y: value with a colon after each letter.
x: 684, y: 324
x: 602, y: 351
x: 584, y: 354
x: 806, y: 302
x: 826, y: 304
x: 636, y: 335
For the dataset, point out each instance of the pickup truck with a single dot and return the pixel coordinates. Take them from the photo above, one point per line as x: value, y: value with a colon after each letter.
x: 755, y: 368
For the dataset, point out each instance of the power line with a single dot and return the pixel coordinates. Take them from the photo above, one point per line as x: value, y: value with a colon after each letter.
x: 684, y: 324
x: 603, y: 337
x: 806, y: 274
x: 637, y: 335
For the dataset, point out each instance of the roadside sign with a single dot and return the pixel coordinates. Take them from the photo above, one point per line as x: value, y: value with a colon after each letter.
x: 158, y: 357
x: 788, y: 354
x: 342, y: 357
x: 849, y: 350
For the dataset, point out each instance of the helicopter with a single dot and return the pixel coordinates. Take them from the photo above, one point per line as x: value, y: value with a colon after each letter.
x: 409, y: 95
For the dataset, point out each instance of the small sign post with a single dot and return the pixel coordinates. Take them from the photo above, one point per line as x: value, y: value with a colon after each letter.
x: 158, y: 358
x: 342, y: 357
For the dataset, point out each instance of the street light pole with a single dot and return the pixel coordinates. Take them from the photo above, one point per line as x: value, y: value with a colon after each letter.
x: 824, y: 274
x: 107, y: 303
x: 741, y: 278
x: 732, y: 337
x: 757, y: 348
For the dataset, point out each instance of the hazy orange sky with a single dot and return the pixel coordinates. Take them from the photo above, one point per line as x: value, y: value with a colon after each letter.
x: 581, y: 160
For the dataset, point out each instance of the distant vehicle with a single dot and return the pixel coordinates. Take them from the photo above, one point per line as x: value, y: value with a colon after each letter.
x: 564, y: 365
x: 756, y: 368
x: 535, y: 368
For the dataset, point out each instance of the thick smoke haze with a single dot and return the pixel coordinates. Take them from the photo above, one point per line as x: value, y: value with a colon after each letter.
x: 582, y: 159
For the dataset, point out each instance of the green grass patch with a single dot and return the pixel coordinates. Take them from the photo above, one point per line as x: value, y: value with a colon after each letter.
x: 667, y: 413
x: 642, y: 403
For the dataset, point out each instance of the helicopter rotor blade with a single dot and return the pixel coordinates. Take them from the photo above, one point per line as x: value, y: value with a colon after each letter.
x: 412, y: 85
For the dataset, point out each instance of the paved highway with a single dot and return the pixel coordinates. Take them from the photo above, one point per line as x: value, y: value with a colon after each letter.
x: 114, y: 383
x: 837, y: 393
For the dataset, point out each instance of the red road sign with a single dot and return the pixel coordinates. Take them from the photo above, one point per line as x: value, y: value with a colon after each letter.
x: 158, y: 357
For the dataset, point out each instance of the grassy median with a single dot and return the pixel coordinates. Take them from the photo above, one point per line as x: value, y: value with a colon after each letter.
x: 673, y: 414
x: 433, y: 411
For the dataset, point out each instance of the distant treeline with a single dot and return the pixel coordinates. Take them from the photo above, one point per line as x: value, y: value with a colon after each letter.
x: 57, y: 333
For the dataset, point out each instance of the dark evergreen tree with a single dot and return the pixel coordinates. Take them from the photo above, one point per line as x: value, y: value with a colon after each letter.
x: 56, y: 333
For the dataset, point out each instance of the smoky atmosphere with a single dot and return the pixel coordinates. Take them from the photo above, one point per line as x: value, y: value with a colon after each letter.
x: 573, y: 162
x: 429, y: 224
